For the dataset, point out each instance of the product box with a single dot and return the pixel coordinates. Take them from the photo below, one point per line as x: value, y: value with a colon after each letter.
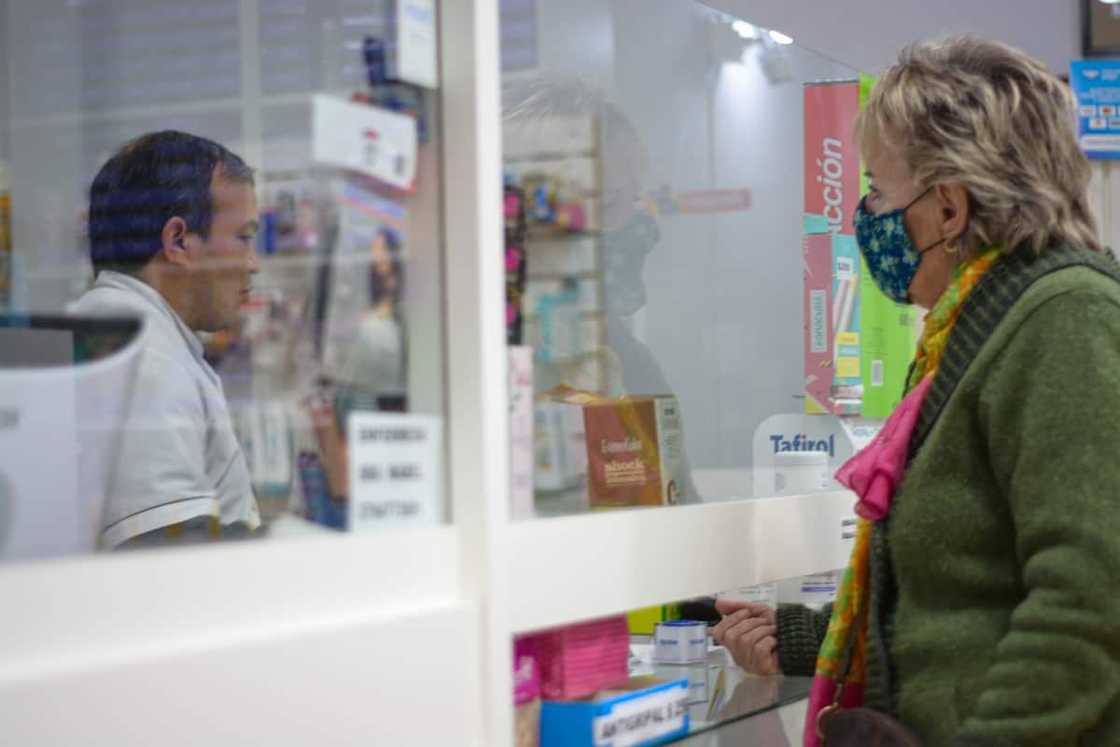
x: 633, y: 451
x: 581, y: 659
x: 833, y: 318
x: 559, y: 450
x: 816, y: 250
x: 680, y: 642
x: 526, y: 693
x: 643, y: 621
x: 846, y: 263
x: 643, y: 711
x: 521, y: 452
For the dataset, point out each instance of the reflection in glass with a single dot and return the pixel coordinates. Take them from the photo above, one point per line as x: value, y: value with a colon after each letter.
x: 677, y: 668
x: 681, y: 273
x: 267, y: 331
x: 63, y: 382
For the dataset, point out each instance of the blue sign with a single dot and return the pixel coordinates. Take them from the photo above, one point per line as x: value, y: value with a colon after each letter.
x: 1096, y: 83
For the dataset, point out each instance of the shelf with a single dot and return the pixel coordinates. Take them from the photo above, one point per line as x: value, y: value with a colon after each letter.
x: 341, y: 664
x: 634, y: 558
x: 551, y: 235
x: 149, y: 111
x: 549, y: 156
x: 546, y: 276
x: 589, y: 315
x: 124, y: 605
x: 91, y: 636
x: 781, y: 723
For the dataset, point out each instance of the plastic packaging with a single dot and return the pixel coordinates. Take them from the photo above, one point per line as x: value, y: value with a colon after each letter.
x: 798, y: 472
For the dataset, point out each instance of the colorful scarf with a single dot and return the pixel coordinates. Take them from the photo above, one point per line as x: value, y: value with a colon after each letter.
x: 874, y: 474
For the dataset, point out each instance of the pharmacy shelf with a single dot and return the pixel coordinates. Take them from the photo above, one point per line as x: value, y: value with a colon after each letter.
x: 550, y: 156
x: 162, y: 109
x: 601, y: 563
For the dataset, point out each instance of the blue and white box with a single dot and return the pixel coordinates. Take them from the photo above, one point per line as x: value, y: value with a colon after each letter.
x: 680, y: 642
x: 645, y: 711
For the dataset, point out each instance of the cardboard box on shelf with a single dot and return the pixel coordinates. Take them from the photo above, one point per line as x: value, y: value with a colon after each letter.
x: 560, y: 456
x: 628, y: 447
x: 580, y: 659
x: 633, y: 451
x: 521, y: 452
x: 641, y: 711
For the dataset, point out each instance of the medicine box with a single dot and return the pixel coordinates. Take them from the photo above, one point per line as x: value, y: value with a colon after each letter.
x: 680, y: 642
x: 634, y: 447
x: 642, y: 711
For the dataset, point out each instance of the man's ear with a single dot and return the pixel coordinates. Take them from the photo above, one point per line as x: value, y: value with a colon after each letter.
x: 173, y: 241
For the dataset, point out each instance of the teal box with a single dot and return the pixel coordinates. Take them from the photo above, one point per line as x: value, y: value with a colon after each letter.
x: 649, y: 712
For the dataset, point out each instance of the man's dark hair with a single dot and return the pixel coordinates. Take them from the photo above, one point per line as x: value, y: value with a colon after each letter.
x: 146, y: 183
x: 377, y: 288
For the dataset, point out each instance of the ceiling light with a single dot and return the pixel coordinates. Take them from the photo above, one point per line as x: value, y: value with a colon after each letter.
x: 779, y: 38
x: 748, y: 31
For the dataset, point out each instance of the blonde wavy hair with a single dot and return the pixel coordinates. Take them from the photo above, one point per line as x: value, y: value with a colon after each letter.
x: 989, y: 117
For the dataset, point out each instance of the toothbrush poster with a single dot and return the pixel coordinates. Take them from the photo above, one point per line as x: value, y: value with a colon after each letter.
x: 832, y: 261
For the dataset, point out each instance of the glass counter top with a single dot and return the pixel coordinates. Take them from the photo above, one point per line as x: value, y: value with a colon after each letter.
x: 722, y: 694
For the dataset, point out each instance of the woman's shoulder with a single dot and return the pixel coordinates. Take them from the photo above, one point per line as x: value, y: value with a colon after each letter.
x: 1083, y: 282
x: 1030, y: 285
x: 1068, y: 312
x: 1066, y: 309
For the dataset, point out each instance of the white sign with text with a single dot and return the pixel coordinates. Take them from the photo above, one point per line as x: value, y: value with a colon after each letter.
x: 364, y: 138
x: 396, y: 470
x: 416, y: 42
x: 839, y: 438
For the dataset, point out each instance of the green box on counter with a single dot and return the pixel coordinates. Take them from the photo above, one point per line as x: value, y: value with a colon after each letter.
x: 642, y: 711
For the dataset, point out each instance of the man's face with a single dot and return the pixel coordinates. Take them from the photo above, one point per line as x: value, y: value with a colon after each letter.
x: 222, y: 265
x: 382, y: 263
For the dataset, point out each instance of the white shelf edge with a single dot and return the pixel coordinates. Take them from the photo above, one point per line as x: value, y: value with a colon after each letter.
x: 582, y: 567
x: 284, y: 685
x: 112, y: 607
x: 163, y: 109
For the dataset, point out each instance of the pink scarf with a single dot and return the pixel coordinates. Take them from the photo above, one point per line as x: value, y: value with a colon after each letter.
x: 876, y: 471
x: 874, y: 474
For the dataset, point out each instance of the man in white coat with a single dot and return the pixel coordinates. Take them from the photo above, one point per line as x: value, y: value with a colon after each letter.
x: 172, y: 225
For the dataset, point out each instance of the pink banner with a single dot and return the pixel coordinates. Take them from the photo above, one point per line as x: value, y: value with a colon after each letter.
x: 831, y: 154
x: 831, y: 194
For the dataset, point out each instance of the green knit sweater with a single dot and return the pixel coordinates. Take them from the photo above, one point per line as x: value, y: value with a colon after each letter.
x: 995, y: 606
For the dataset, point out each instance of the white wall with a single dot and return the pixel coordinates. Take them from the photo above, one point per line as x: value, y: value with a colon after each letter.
x: 867, y: 34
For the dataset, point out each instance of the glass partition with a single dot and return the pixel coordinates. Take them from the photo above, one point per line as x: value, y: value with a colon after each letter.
x: 664, y: 231
x: 707, y: 665
x: 257, y: 185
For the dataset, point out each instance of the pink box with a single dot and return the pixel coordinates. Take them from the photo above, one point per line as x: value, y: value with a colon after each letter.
x: 526, y: 670
x: 579, y: 660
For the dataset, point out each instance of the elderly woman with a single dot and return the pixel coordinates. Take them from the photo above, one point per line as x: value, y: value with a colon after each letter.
x: 981, y: 605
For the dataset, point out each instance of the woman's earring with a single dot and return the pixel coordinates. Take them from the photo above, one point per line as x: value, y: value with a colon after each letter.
x: 951, y: 248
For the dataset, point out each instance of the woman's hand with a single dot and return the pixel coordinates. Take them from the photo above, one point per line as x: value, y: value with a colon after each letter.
x: 749, y: 631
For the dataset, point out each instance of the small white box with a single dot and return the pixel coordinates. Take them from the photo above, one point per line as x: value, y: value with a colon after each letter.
x: 521, y: 431
x: 680, y: 642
